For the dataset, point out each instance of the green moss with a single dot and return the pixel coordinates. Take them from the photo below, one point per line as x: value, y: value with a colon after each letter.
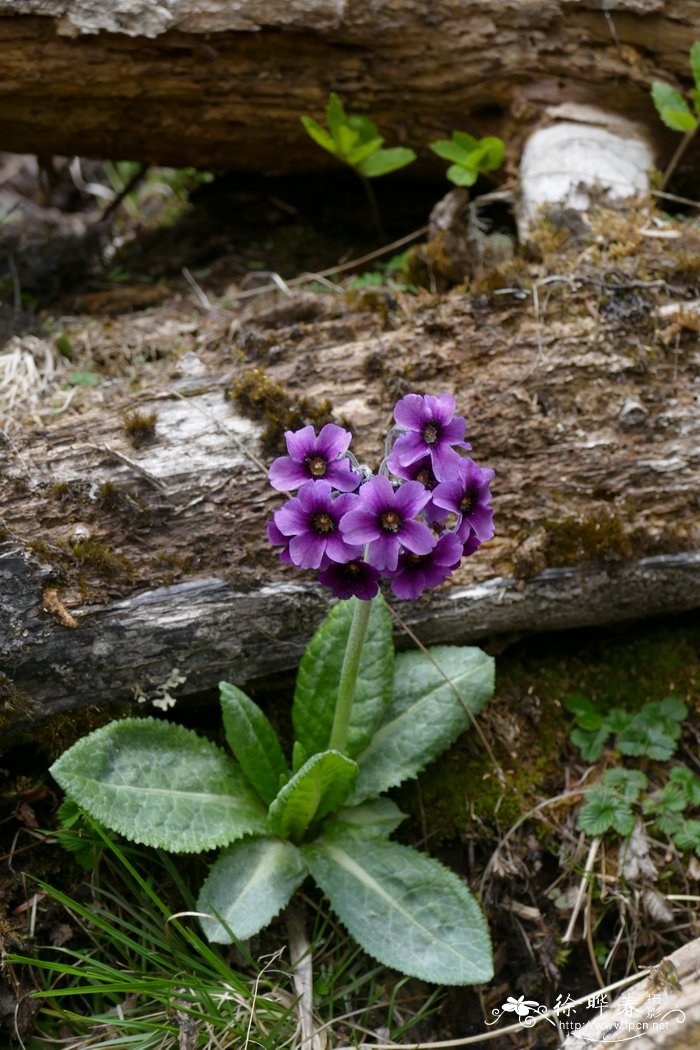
x: 141, y: 427
x: 69, y: 556
x: 597, y: 537
x: 262, y: 398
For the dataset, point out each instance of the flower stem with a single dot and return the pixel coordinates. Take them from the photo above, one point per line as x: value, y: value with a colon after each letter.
x: 348, y: 674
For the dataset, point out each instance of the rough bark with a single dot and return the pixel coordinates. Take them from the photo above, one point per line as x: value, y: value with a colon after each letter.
x: 223, y: 84
x: 120, y: 563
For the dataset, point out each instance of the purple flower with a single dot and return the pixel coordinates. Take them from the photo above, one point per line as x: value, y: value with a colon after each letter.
x: 352, y: 578
x: 312, y: 520
x: 422, y: 470
x: 467, y: 495
x: 314, y: 458
x: 278, y: 539
x: 472, y: 543
x: 383, y: 519
x: 417, y: 572
x: 433, y: 430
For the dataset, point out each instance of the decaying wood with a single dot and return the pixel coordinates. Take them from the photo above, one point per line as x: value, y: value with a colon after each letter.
x: 580, y: 390
x: 223, y: 84
x: 662, y: 1011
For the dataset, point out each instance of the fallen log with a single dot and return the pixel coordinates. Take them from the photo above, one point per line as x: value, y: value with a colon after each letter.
x: 134, y: 552
x: 223, y: 85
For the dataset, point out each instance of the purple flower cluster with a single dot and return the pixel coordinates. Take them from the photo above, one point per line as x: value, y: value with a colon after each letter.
x: 412, y: 523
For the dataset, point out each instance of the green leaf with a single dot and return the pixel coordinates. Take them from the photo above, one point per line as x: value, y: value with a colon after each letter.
x: 247, y: 886
x: 626, y: 783
x: 386, y: 160
x: 695, y: 63
x: 380, y: 815
x: 461, y: 176
x: 253, y: 741
x: 319, y: 674
x: 321, y: 786
x: 491, y: 151
x: 672, y: 107
x: 587, y: 716
x: 602, y: 812
x: 363, y: 150
x: 319, y: 135
x: 335, y: 115
x: 450, y: 151
x: 695, y: 95
x: 406, y: 910
x: 687, y: 780
x: 82, y: 379
x: 161, y: 785
x: 425, y: 715
x: 591, y: 743
x: 365, y: 128
x: 299, y: 756
x: 465, y: 140
x: 688, y: 836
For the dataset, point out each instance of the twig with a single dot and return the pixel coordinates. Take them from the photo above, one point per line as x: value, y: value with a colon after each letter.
x: 676, y: 158
x: 341, y: 268
x: 471, y: 1040
x: 201, y: 295
x: 124, y: 192
x: 590, y: 860
x: 151, y: 478
x: 489, y: 750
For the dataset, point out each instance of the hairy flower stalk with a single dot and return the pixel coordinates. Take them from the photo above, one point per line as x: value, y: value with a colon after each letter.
x: 410, y: 524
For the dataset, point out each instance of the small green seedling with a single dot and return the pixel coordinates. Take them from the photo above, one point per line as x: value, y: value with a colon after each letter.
x: 355, y: 140
x: 609, y: 805
x: 652, y: 731
x: 469, y: 156
x: 675, y: 111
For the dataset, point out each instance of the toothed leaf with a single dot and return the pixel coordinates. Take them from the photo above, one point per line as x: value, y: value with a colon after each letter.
x: 426, y: 714
x: 405, y: 909
x: 321, y: 786
x: 161, y: 785
x: 253, y: 741
x: 247, y: 886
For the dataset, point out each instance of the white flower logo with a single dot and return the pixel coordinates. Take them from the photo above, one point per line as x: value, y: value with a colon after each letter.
x: 521, y: 1006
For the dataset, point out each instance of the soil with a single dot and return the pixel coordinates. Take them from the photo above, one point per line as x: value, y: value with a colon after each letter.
x: 504, y: 819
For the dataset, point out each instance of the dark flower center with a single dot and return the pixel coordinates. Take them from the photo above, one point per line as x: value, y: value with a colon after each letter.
x: 322, y: 523
x: 316, y: 466
x: 426, y: 478
x: 352, y: 569
x: 413, y: 561
x: 467, y: 502
x: 431, y: 433
x: 390, y: 521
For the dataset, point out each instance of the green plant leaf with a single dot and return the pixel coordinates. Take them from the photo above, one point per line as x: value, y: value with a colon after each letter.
x: 347, y: 138
x: 319, y: 675
x: 404, y: 909
x: 319, y: 135
x: 363, y: 150
x: 672, y: 107
x: 299, y: 756
x: 687, y: 780
x: 695, y: 63
x: 247, y: 885
x: 688, y: 836
x: 322, y: 785
x: 253, y: 741
x: 336, y: 116
x: 450, y: 151
x: 603, y: 812
x: 385, y: 160
x: 626, y: 783
x: 365, y: 128
x: 587, y: 716
x: 161, y: 785
x: 425, y: 715
x: 461, y: 176
x: 465, y: 140
x: 591, y: 743
x: 491, y: 152
x: 379, y: 815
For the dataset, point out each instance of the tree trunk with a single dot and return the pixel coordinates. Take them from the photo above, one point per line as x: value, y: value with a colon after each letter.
x: 223, y: 84
x: 122, y: 563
